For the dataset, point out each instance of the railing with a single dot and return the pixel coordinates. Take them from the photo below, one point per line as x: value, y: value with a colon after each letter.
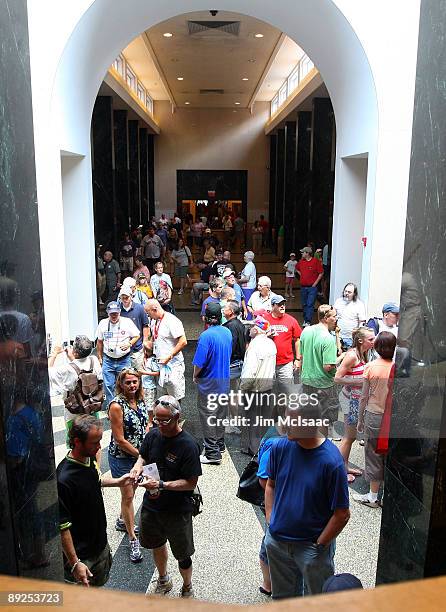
x: 129, y: 76
x: 299, y: 72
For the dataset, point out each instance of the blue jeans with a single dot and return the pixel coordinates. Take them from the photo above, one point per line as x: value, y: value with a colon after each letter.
x: 308, y: 297
x: 297, y: 568
x: 110, y: 370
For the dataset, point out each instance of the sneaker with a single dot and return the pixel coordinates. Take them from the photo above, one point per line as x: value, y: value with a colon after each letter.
x: 180, y: 292
x: 163, y: 586
x: 206, y: 460
x: 187, y: 591
x: 120, y: 526
x: 135, y: 551
x: 365, y: 501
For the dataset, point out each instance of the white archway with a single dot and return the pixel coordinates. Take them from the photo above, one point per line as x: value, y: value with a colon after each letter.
x: 91, y: 34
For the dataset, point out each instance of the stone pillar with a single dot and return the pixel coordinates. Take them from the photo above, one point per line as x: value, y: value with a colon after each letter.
x: 290, y: 187
x: 143, y: 176
x: 322, y: 170
x: 121, y: 148
x: 151, y: 173
x: 29, y: 530
x: 413, y: 530
x: 134, y: 190
x: 280, y: 181
x: 105, y: 221
x: 272, y: 184
x: 303, y: 181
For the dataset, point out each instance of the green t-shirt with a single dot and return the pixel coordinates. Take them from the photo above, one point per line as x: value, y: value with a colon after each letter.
x: 318, y: 348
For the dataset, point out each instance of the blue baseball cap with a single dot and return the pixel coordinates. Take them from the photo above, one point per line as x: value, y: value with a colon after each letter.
x: 277, y: 299
x: 341, y: 582
x: 113, y: 307
x: 391, y: 307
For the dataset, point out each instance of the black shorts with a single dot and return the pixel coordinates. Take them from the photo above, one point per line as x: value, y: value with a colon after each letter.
x: 157, y: 528
x: 99, y: 566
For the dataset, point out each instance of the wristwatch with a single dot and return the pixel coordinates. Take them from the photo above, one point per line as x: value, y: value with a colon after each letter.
x: 161, y: 485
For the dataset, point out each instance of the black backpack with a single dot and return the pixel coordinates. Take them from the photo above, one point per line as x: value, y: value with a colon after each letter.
x: 88, y: 394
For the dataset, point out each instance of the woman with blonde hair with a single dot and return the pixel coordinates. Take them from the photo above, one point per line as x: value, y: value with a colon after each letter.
x: 350, y: 375
x: 129, y: 419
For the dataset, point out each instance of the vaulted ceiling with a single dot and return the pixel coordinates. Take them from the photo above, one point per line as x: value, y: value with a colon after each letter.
x: 226, y: 60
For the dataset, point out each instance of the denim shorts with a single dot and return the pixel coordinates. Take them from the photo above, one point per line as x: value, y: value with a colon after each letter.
x: 120, y: 465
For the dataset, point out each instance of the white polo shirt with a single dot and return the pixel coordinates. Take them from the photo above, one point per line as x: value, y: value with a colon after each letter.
x: 258, y: 302
x: 350, y: 315
x: 116, y: 335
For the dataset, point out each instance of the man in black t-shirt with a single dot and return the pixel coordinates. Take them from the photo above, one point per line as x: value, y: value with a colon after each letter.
x: 83, y: 526
x: 166, y: 513
x: 221, y: 263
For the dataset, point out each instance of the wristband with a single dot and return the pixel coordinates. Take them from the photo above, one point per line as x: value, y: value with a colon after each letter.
x: 74, y: 566
x: 161, y: 485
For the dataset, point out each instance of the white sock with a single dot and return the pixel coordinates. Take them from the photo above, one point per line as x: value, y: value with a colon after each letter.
x: 372, y: 496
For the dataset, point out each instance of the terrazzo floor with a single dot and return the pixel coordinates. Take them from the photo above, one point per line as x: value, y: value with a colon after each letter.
x: 228, y: 532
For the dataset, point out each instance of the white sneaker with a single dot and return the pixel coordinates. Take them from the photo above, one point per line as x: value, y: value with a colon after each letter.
x: 180, y: 292
x: 204, y: 459
x: 135, y: 551
x: 163, y: 586
x: 365, y: 500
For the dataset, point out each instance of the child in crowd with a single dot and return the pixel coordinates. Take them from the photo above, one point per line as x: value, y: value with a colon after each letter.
x: 150, y: 370
x: 375, y: 390
x: 143, y: 285
x: 290, y: 271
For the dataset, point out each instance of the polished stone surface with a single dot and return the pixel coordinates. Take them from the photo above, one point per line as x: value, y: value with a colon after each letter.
x: 134, y: 188
x: 413, y: 535
x: 280, y: 179
x: 29, y: 538
x: 290, y: 187
x: 151, y: 174
x: 272, y: 179
x: 105, y: 221
x: 322, y: 170
x: 121, y: 185
x: 303, y: 179
x: 143, y: 178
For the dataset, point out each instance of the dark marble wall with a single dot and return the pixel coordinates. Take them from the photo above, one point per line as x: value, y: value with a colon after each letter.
x: 272, y: 179
x: 280, y: 179
x: 29, y: 535
x: 303, y: 180
x: 134, y: 188
x: 143, y: 175
x: 290, y: 187
x: 105, y: 219
x: 413, y: 531
x: 322, y: 174
x: 121, y: 166
x: 151, y: 174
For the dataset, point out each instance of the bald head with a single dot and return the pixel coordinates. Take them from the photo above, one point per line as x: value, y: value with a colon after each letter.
x: 154, y: 309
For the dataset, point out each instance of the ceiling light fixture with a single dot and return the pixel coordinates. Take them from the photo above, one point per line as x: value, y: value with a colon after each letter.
x: 237, y: 103
x: 167, y: 34
x: 180, y: 78
x: 245, y: 79
x: 251, y: 61
x: 187, y: 103
x: 259, y: 35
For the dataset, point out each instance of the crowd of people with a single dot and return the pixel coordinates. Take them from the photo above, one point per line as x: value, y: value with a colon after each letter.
x: 261, y: 377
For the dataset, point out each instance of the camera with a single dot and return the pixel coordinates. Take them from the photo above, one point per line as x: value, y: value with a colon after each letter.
x: 213, y: 12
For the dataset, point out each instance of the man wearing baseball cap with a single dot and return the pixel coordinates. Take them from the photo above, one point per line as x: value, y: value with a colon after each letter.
x: 115, y: 339
x: 389, y: 322
x: 286, y: 332
x: 310, y: 272
x: 136, y: 313
x: 211, y: 374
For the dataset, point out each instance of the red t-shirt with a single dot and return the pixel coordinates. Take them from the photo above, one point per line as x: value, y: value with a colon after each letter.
x: 309, y: 271
x: 286, y: 329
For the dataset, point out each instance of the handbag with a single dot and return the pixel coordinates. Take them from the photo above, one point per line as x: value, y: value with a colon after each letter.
x: 249, y: 488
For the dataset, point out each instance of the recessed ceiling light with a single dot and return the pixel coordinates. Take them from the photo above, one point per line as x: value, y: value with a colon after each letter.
x: 251, y: 61
x: 167, y: 34
x: 245, y: 79
x: 237, y: 103
x: 259, y: 35
x: 187, y: 103
x: 180, y: 78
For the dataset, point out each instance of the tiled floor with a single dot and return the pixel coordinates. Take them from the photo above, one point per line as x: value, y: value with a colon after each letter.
x: 228, y: 532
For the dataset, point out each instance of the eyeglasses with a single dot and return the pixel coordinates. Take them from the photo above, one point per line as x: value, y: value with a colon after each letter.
x: 162, y: 421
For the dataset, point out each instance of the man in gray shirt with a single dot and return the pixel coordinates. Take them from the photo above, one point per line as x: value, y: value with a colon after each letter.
x: 112, y: 276
x: 152, y: 248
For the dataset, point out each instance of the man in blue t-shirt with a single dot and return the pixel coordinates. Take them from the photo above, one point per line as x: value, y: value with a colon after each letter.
x: 306, y: 505
x: 211, y: 373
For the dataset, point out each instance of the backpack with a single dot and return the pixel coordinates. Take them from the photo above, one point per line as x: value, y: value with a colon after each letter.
x: 88, y: 395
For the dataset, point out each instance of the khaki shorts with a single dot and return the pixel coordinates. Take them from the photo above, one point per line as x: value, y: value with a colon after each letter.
x: 99, y: 566
x: 328, y: 401
x: 158, y: 528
